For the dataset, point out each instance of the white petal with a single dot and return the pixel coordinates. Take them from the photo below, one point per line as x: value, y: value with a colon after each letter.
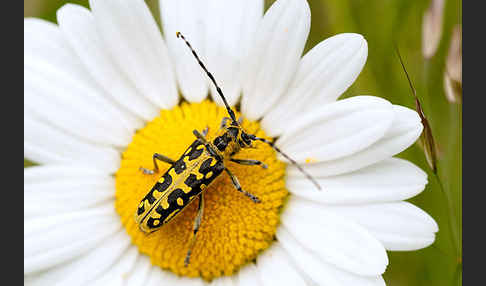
x: 274, y: 268
x: 79, y: 28
x: 334, y: 239
x: 405, y: 130
x: 319, y: 271
x: 131, y: 35
x: 168, y: 278
x: 58, y: 89
x: 50, y: 276
x: 31, y: 280
x: 392, y: 179
x: 49, y: 241
x: 63, y: 104
x: 116, y: 275
x: 102, y: 213
x: 324, y: 73
x: 45, y: 173
x: 140, y: 272
x: 273, y: 60
x: 248, y: 276
x: 189, y: 18
x: 49, y: 197
x: 156, y: 277
x: 184, y: 281
x: 338, y: 130
x: 95, y: 263
x: 46, y: 144
x: 222, y: 281
x: 231, y: 29
x: 399, y: 225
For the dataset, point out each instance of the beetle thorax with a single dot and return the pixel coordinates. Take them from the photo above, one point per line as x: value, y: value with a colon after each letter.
x: 226, y: 140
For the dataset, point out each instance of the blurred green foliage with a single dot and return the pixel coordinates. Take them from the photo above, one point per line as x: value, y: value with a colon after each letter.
x: 384, y: 23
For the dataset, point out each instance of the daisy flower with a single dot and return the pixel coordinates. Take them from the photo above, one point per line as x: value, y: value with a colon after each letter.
x: 102, y: 95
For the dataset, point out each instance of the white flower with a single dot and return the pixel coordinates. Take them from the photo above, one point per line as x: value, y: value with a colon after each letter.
x: 99, y: 75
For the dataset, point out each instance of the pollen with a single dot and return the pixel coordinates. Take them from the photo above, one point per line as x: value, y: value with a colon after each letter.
x: 310, y: 160
x: 234, y: 230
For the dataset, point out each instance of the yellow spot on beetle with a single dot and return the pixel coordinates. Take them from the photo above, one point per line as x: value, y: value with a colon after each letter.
x: 172, y: 173
x: 161, y: 180
x: 156, y: 194
x: 185, y: 188
x: 171, y: 215
x: 186, y: 160
x: 146, y: 204
x: 199, y: 176
x: 164, y: 203
x: 188, y: 151
x: 155, y: 214
x: 180, y: 201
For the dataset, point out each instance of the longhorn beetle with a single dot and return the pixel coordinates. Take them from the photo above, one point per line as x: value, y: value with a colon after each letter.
x: 193, y: 172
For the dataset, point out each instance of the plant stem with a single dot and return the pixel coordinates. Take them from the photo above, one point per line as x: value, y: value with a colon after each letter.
x: 451, y: 217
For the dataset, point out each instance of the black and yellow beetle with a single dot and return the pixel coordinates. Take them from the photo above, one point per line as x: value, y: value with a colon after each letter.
x: 193, y: 172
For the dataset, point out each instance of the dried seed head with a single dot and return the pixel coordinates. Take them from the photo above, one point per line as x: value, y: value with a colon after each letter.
x: 428, y: 155
x: 426, y: 139
x: 452, y: 88
x: 432, y: 28
x: 454, y: 56
x: 453, y: 71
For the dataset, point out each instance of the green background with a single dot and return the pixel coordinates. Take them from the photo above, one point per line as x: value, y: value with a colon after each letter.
x: 384, y: 23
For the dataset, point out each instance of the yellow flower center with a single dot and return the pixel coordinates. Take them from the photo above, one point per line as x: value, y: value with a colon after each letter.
x: 234, y: 229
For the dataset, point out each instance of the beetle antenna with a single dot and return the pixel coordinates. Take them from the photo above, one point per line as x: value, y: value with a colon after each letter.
x: 230, y: 111
x: 233, y: 117
x: 271, y: 144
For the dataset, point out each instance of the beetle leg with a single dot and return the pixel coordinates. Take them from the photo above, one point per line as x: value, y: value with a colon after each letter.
x: 236, y: 184
x: 197, y: 224
x: 156, y: 157
x: 200, y: 136
x: 205, y: 131
x: 249, y: 162
x: 224, y: 121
